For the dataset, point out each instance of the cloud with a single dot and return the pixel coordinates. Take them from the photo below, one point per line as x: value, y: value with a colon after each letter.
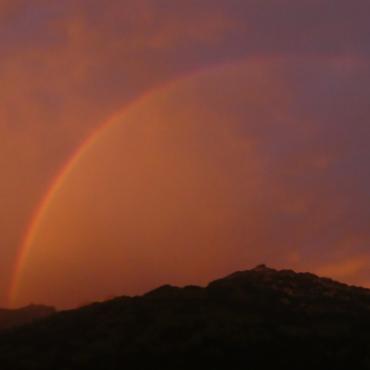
x: 67, y: 66
x: 219, y: 172
x: 347, y: 269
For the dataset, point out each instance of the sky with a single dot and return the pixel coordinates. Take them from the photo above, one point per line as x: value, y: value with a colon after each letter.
x: 240, y: 136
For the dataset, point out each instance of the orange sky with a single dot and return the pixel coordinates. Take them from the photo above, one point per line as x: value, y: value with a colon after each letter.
x: 67, y: 67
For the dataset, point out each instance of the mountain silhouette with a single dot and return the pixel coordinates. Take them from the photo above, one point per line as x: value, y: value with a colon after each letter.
x: 255, y: 319
x: 10, y: 318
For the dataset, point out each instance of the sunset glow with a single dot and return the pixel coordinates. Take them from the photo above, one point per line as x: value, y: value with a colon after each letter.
x: 152, y: 142
x: 187, y: 184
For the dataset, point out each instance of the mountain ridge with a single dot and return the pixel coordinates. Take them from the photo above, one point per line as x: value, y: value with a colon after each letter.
x: 24, y: 315
x: 259, y: 318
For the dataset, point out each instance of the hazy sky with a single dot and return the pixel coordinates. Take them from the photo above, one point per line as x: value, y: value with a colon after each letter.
x: 292, y: 118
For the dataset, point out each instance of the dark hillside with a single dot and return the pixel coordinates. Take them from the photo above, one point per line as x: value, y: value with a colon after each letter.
x: 256, y: 319
x: 11, y: 318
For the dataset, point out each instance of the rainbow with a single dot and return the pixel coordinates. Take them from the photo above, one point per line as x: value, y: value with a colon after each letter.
x: 55, y: 186
x: 63, y: 174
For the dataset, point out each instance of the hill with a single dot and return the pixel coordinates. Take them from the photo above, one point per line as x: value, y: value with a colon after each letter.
x: 10, y: 318
x: 255, y: 319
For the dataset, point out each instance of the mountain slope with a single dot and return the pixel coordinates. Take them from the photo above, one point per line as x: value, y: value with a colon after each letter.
x: 10, y: 318
x: 256, y: 319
